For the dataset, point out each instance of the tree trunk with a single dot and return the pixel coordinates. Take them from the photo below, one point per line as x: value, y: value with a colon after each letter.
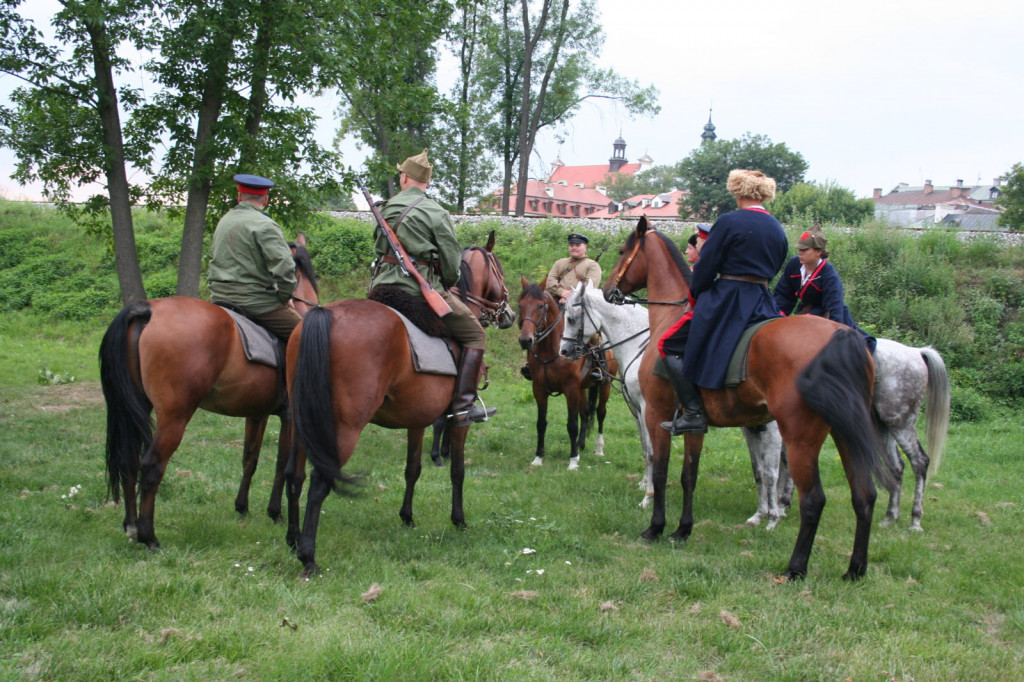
x: 126, y: 259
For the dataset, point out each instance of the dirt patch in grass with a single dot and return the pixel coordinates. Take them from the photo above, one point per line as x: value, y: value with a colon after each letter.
x: 64, y: 397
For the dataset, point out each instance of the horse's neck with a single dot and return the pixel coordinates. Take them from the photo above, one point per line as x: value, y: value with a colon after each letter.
x: 620, y: 326
x: 554, y: 325
x: 667, y: 286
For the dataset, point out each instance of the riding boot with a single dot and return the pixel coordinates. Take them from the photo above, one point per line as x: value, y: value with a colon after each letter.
x: 525, y: 371
x: 464, y: 408
x: 690, y: 417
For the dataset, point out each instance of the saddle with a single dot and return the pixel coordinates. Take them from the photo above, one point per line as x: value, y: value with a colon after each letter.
x: 736, y: 373
x: 260, y: 345
x: 433, y: 349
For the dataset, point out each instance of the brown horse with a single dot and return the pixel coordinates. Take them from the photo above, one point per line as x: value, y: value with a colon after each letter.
x: 540, y: 334
x: 811, y: 374
x: 482, y: 288
x: 172, y: 356
x: 350, y: 364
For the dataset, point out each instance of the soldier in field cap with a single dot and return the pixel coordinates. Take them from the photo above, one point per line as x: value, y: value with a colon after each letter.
x: 426, y: 231
x: 251, y: 264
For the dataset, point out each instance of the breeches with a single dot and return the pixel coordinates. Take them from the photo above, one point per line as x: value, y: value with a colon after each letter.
x: 463, y: 325
x: 280, y: 321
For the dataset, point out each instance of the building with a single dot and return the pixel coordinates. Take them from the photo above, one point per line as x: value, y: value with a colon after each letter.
x: 971, y: 207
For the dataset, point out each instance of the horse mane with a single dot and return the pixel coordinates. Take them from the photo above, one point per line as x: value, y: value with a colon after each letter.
x: 534, y: 291
x: 413, y: 307
x: 465, y: 283
x: 676, y: 254
x: 304, y: 263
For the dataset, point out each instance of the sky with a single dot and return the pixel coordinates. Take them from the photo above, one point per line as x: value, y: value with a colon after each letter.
x: 872, y: 93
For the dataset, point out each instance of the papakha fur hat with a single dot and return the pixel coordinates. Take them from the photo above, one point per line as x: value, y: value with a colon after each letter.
x: 751, y: 184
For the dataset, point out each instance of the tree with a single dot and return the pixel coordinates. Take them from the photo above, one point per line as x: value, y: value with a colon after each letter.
x: 65, y: 125
x: 228, y: 69
x: 828, y: 203
x: 541, y: 71
x: 1011, y: 199
x: 706, y: 170
x: 389, y: 99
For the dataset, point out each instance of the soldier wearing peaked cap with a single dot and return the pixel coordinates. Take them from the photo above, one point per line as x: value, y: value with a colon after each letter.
x: 426, y: 232
x: 251, y: 264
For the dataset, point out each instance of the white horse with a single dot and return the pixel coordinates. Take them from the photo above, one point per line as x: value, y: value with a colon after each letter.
x: 904, y: 378
x: 626, y: 332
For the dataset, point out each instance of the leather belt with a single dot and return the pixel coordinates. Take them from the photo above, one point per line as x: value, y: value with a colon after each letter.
x: 746, y: 278
x: 434, y: 264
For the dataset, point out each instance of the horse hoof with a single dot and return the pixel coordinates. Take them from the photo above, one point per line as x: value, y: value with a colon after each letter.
x: 772, y: 523
x: 650, y: 535
x: 574, y: 463
x: 679, y: 536
x: 916, y: 527
x: 537, y: 461
x: 886, y: 522
x: 853, y: 575
x: 310, y: 571
x: 754, y: 520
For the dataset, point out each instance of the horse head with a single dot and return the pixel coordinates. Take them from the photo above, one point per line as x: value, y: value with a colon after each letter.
x: 581, y: 322
x: 536, y: 308
x: 630, y: 271
x: 482, y: 286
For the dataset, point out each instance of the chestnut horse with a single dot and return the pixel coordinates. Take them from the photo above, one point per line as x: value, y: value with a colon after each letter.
x: 811, y: 374
x: 172, y: 356
x: 349, y: 365
x: 540, y: 334
x: 482, y: 288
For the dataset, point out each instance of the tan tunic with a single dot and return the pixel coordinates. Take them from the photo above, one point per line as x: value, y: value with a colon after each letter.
x: 566, y: 273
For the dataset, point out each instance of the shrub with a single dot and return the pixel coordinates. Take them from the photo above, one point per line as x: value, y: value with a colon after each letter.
x: 968, y: 405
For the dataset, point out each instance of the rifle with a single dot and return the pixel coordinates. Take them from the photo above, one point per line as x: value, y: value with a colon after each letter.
x: 433, y: 299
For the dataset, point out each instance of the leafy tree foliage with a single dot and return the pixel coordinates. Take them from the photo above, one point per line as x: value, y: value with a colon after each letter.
x: 828, y: 203
x: 706, y: 170
x: 65, y: 124
x: 1011, y: 199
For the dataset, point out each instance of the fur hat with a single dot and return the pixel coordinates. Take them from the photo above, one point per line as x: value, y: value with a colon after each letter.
x: 417, y: 167
x: 813, y: 238
x: 748, y: 184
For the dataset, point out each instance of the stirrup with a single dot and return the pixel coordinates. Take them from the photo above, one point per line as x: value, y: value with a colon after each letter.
x: 475, y: 414
x: 685, y: 421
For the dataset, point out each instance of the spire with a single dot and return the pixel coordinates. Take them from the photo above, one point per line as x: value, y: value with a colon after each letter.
x: 618, y: 159
x: 709, y: 130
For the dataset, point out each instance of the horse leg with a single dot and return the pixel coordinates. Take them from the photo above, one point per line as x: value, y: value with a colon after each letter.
x: 169, y: 431
x: 319, y: 489
x: 895, y: 464
x: 660, y: 448
x: 130, y: 494
x: 803, y: 462
x: 284, y: 444
x: 541, y: 397
x: 604, y: 391
x: 862, y: 495
x: 440, y: 447
x: 294, y: 477
x: 254, y: 430
x: 784, y: 489
x: 765, y: 444
x: 647, y: 482
x: 458, y: 473
x: 919, y: 462
x: 693, y: 443
x: 576, y: 425
x: 413, y: 466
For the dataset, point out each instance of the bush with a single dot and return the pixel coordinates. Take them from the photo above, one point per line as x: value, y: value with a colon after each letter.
x: 968, y: 405
x: 341, y: 247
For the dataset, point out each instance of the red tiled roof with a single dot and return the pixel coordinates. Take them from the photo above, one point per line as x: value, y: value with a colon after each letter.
x: 589, y: 176
x: 545, y: 198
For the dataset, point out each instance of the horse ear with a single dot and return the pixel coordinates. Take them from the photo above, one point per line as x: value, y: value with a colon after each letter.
x: 641, y: 226
x: 524, y: 282
x: 490, y: 242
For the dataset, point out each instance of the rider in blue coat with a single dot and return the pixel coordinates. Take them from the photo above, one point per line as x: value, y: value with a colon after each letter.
x: 744, y: 251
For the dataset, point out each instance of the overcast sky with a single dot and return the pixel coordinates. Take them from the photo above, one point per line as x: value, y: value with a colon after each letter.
x: 872, y: 93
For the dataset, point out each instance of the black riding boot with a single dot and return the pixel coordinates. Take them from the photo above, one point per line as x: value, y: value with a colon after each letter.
x: 464, y: 408
x: 690, y: 417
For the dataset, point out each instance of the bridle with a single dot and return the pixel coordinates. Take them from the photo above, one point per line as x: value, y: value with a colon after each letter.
x: 618, y: 298
x: 579, y: 344
x: 490, y: 312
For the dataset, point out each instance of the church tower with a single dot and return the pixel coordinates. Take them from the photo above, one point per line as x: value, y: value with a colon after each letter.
x: 618, y: 159
x: 709, y: 131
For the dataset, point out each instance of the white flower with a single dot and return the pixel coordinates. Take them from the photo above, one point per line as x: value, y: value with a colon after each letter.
x: 540, y: 571
x: 527, y: 550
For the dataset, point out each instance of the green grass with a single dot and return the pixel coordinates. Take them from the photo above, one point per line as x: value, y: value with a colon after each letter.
x: 223, y: 599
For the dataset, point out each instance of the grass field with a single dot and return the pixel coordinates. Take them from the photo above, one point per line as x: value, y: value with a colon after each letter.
x: 550, y: 581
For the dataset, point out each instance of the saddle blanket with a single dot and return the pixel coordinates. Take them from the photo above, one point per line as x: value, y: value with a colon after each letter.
x: 430, y: 354
x: 259, y: 344
x: 736, y: 374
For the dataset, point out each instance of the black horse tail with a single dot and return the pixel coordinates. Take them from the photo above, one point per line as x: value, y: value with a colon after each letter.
x: 312, y: 402
x: 129, y: 422
x: 837, y: 386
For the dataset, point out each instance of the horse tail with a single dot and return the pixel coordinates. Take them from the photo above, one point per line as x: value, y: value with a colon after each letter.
x: 937, y: 418
x: 312, y: 400
x: 129, y: 423
x: 837, y: 386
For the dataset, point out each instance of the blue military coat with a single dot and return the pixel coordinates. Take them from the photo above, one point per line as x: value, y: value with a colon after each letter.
x: 823, y: 295
x: 749, y: 242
